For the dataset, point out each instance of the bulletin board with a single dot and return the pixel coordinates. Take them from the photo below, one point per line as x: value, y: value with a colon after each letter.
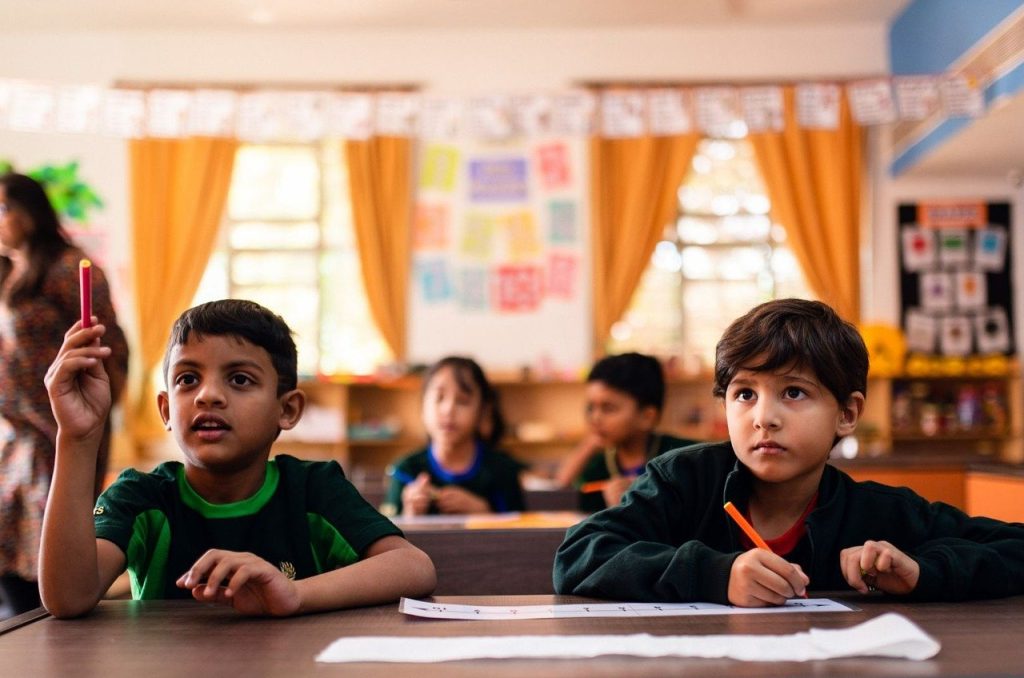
x: 500, y: 243
x: 956, y: 267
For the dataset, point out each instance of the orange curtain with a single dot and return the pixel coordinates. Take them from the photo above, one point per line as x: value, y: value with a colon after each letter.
x: 179, y: 188
x: 634, y: 186
x: 814, y: 182
x: 380, y: 184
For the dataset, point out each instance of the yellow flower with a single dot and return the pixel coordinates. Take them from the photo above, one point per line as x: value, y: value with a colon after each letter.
x: 887, y: 349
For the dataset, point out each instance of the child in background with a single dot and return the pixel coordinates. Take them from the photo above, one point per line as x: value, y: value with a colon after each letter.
x: 793, y: 376
x: 277, y: 537
x: 625, y: 394
x: 460, y: 470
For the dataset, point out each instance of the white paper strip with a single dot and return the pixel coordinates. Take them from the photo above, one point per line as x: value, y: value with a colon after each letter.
x: 32, y: 107
x: 167, y: 113
x: 961, y: 97
x: 531, y: 115
x: 668, y: 112
x: 421, y: 608
x: 349, y: 116
x: 440, y: 119
x: 717, y: 109
x: 623, y: 114
x: 489, y: 117
x: 396, y: 114
x: 78, y: 108
x: 124, y: 113
x: 213, y: 113
x: 572, y: 113
x: 872, y: 101
x: 763, y: 108
x: 890, y: 635
x: 917, y: 96
x: 817, y: 105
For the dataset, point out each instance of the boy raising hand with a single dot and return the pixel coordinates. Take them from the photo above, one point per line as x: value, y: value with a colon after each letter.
x: 268, y: 537
x: 792, y: 376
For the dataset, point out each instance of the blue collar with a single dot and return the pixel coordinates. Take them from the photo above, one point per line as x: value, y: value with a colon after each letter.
x: 447, y: 476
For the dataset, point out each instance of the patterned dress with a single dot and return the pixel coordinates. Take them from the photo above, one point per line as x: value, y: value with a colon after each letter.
x: 31, y: 332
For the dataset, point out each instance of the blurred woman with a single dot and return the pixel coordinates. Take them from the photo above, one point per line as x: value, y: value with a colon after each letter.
x: 39, y: 300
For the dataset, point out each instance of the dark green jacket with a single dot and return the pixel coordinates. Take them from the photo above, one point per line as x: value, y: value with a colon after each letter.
x: 670, y: 539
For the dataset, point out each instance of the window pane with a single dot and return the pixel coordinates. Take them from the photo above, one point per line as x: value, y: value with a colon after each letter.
x: 299, y: 308
x: 274, y: 268
x: 274, y: 182
x: 260, y: 235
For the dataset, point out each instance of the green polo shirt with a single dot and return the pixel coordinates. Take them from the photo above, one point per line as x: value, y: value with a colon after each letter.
x: 306, y: 519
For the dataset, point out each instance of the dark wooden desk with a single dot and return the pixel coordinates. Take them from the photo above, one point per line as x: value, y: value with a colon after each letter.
x: 183, y: 638
x: 491, y: 560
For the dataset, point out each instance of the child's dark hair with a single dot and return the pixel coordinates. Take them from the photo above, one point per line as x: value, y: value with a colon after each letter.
x: 245, y: 320
x: 794, y: 332
x: 46, y: 240
x: 470, y: 377
x: 639, y: 375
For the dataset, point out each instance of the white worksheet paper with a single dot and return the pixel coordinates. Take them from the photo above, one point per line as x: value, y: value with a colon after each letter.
x: 890, y: 635
x: 421, y: 608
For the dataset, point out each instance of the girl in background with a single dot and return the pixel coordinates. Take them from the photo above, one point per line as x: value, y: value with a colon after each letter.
x: 461, y: 470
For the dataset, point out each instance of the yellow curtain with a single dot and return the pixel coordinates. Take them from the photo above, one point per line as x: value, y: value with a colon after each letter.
x: 380, y: 183
x: 813, y: 178
x: 179, y: 188
x: 634, y: 186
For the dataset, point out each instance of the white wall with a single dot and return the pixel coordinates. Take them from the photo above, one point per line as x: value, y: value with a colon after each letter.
x: 443, y: 62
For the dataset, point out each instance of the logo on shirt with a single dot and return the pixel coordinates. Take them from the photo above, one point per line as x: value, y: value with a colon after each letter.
x: 288, y: 569
x: 98, y: 511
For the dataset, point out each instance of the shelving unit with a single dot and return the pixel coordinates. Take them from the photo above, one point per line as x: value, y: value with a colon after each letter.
x: 544, y: 418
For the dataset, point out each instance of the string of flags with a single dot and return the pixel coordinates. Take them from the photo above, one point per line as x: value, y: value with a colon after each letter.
x: 281, y: 115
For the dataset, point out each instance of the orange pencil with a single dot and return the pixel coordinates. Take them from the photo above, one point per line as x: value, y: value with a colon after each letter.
x: 749, y: 530
x: 85, y: 290
x: 593, y: 486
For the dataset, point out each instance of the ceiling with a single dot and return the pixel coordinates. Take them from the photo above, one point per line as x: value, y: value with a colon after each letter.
x: 431, y: 14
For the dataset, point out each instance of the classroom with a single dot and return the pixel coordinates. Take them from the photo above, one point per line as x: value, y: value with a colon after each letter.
x: 534, y: 186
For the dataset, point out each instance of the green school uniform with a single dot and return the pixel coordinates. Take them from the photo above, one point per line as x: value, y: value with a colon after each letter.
x: 306, y: 519
x: 671, y: 540
x: 494, y: 475
x: 603, y: 465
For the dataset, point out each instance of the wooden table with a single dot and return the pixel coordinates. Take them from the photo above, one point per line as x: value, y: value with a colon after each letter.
x: 183, y: 638
x: 491, y: 555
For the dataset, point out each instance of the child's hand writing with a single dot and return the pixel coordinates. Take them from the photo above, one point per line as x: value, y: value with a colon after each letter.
x: 453, y: 499
x: 878, y: 565
x: 760, y: 578
x: 417, y: 495
x: 244, y: 581
x: 77, y: 384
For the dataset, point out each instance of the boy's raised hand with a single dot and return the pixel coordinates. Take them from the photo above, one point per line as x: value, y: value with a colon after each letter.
x: 77, y: 384
x: 244, y: 581
x: 760, y: 578
x: 878, y: 565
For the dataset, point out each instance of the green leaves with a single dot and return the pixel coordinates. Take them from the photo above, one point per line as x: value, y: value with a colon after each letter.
x: 71, y: 197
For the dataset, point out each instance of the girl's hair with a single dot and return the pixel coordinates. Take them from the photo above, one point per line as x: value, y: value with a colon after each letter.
x: 470, y: 377
x: 46, y: 239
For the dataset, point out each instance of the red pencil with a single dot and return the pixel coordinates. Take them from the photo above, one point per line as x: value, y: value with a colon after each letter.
x: 85, y: 290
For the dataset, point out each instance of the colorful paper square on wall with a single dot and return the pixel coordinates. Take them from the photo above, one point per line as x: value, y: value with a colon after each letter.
x: 434, y: 281
x: 439, y: 168
x: 478, y: 236
x: 521, y: 235
x: 562, y: 276
x: 473, y: 288
x: 553, y: 163
x: 562, y: 215
x: 498, y: 180
x: 518, y: 288
x: 430, y: 226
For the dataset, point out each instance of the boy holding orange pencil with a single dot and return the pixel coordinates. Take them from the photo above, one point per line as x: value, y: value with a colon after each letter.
x: 624, y: 397
x: 792, y: 376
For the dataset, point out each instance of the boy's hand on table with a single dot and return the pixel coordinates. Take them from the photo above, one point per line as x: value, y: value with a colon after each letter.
x: 454, y: 499
x: 879, y: 566
x: 244, y: 581
x: 760, y: 578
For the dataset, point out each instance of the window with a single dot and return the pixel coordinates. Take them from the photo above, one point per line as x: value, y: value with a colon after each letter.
x: 288, y: 243
x: 721, y: 257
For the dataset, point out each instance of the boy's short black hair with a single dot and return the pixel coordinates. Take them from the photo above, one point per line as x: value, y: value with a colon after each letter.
x: 794, y: 332
x: 636, y: 374
x: 245, y: 320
